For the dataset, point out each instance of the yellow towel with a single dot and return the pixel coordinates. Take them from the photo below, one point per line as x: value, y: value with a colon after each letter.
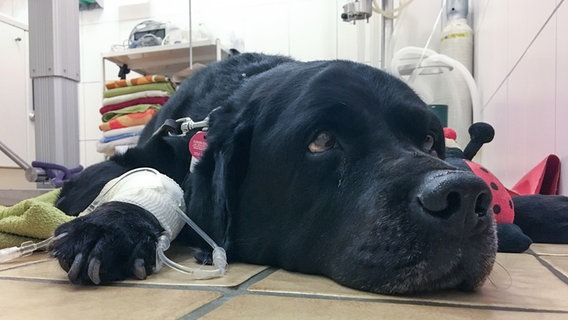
x: 30, y: 220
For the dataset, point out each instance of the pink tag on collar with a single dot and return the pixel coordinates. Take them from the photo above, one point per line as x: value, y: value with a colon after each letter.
x: 198, y: 144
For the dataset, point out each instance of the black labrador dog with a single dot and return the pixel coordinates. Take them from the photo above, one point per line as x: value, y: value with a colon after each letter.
x: 327, y: 167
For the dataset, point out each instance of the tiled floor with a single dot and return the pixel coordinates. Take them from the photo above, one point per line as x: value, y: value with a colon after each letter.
x: 14, y: 186
x: 14, y: 178
x: 533, y: 285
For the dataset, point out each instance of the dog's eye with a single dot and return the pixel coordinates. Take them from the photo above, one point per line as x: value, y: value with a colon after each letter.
x: 323, y: 142
x: 428, y: 143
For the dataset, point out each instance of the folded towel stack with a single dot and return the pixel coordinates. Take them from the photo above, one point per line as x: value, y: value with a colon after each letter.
x: 127, y: 106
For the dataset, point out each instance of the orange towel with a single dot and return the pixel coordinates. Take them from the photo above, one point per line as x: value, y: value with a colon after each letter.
x: 129, y: 120
x: 136, y: 81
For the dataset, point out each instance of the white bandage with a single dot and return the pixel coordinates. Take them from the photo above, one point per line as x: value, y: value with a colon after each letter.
x: 150, y: 190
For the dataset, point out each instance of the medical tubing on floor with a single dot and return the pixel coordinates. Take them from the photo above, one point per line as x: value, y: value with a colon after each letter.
x: 25, y: 249
x: 219, y: 255
x: 219, y: 261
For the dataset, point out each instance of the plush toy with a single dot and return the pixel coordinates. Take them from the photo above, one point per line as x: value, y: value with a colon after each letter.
x: 511, y: 237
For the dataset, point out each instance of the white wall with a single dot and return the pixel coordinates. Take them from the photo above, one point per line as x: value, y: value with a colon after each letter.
x: 17, y: 9
x: 521, y: 68
x: 304, y: 29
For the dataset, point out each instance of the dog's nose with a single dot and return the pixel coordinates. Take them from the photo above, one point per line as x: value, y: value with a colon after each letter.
x: 459, y: 197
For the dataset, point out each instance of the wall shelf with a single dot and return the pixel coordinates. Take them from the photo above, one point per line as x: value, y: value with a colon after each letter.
x: 167, y: 59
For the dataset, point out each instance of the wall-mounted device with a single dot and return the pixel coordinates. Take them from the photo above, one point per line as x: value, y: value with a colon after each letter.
x: 357, y: 10
x: 154, y: 33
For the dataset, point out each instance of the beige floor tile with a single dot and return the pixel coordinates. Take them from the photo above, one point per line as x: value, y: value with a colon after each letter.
x: 35, y: 300
x: 549, y: 249
x: 14, y: 178
x: 518, y: 281
x: 283, y: 281
x: 559, y: 263
x: 49, y: 269
x: 272, y: 307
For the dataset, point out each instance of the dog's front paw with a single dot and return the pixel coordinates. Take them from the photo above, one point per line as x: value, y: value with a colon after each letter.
x: 114, y: 242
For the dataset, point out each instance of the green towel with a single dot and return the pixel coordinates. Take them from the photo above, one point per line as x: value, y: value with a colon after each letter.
x: 30, y: 220
x: 162, y: 86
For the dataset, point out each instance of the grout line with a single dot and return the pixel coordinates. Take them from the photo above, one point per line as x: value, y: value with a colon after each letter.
x: 228, y: 294
x: 206, y: 308
x: 561, y: 276
x: 411, y: 301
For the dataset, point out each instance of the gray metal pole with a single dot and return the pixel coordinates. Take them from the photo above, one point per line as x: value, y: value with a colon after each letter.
x: 190, y: 39
x: 54, y: 69
x: 386, y: 34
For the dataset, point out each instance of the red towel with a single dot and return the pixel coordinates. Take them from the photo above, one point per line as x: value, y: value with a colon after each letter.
x: 147, y: 100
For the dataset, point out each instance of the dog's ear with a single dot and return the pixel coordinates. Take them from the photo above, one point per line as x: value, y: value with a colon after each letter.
x: 220, y: 172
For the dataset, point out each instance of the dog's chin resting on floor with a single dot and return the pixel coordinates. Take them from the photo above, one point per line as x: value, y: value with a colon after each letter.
x: 331, y: 168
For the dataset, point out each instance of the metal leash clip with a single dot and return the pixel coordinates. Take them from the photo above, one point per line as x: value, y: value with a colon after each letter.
x: 187, y: 124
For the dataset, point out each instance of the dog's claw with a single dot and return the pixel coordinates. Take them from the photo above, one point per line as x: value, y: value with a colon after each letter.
x: 94, y: 270
x: 139, y: 269
x: 62, y: 263
x: 75, y: 269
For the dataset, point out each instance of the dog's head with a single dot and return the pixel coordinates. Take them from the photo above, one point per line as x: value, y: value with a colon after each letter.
x: 337, y: 168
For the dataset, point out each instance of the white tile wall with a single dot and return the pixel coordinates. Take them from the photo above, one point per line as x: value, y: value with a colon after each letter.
x: 304, y: 29
x: 562, y: 93
x: 16, y: 9
x: 266, y: 29
x: 317, y: 23
x: 89, y: 152
x: 490, y: 49
x: 525, y: 18
x: 530, y: 107
x: 531, y: 104
x: 92, y: 93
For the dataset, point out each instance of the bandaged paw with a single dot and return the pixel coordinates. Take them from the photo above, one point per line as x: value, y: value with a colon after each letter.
x: 148, y: 189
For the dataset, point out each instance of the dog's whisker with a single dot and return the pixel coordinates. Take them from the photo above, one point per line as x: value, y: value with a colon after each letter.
x: 500, y: 278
